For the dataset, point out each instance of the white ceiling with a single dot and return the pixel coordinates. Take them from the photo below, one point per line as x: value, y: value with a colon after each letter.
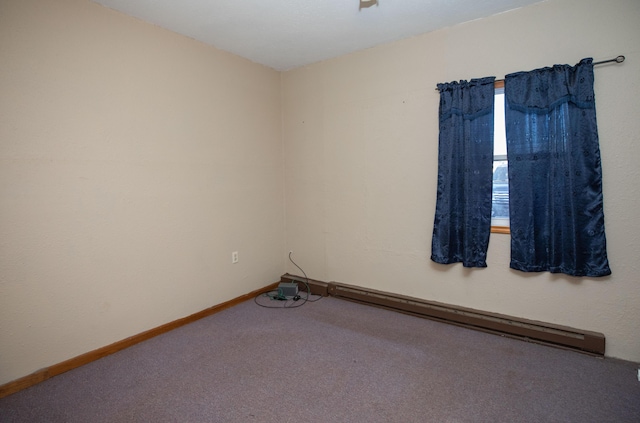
x: 285, y: 34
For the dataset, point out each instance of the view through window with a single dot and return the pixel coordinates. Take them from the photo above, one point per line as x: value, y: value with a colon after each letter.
x: 500, y: 192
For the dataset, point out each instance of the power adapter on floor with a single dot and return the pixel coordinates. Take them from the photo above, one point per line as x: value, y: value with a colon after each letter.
x: 287, y: 289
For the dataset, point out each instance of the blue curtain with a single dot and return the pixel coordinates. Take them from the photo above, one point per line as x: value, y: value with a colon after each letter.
x: 555, y: 176
x: 462, y: 223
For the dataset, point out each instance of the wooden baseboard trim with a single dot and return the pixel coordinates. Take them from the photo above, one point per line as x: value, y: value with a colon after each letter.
x: 56, y: 369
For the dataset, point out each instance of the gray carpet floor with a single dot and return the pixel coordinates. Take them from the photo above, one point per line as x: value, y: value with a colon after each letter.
x: 333, y: 361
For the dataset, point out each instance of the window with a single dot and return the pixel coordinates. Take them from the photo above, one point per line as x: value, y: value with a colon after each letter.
x: 500, y: 192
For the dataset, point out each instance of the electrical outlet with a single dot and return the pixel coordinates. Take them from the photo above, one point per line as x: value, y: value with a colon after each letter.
x: 234, y: 257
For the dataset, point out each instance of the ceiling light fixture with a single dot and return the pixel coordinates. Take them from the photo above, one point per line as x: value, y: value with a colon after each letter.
x: 367, y: 3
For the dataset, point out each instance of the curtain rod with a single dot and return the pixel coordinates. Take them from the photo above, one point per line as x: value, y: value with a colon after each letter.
x: 618, y: 59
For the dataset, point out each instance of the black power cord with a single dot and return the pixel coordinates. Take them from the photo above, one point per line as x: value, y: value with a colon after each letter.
x: 285, y: 302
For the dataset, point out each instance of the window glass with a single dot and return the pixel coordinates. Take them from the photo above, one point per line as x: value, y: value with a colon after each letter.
x: 500, y: 192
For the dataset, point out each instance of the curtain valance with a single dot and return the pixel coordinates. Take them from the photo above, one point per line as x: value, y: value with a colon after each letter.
x: 456, y: 100
x: 544, y: 89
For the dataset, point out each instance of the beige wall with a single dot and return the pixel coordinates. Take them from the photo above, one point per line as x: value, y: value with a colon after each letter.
x: 361, y: 141
x: 133, y: 161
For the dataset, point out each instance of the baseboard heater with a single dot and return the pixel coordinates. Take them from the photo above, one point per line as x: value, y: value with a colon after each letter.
x: 531, y: 330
